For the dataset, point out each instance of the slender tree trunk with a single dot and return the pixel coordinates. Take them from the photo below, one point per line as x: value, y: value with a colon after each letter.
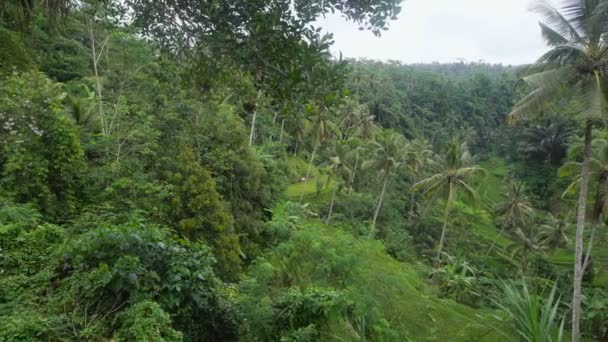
x: 580, y: 230
x: 97, y: 81
x: 372, y: 230
x: 600, y: 199
x: 312, y: 159
x: 446, y: 212
x: 502, y: 230
x: 331, y: 204
x: 352, y: 180
x: 412, y: 202
x: 282, y: 128
x: 255, y: 115
x: 252, y: 129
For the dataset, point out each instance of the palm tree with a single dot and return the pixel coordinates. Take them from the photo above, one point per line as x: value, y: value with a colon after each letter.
x: 515, y: 211
x: 449, y: 182
x: 577, y: 63
x: 357, y: 150
x: 553, y: 232
x: 340, y: 170
x: 419, y: 155
x: 525, y: 240
x: 388, y: 154
x: 452, y: 120
x: 365, y: 127
x: 598, y: 170
x: 546, y: 142
x: 319, y: 129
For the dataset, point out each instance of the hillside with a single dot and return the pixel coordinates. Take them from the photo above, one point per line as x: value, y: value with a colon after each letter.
x: 207, y: 171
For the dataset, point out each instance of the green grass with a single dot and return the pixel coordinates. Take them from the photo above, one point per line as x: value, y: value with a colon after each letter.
x: 382, y: 286
x: 298, y: 169
x: 294, y: 191
x: 489, y: 189
x: 491, y: 186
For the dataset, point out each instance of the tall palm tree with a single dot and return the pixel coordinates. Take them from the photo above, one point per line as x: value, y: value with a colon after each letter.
x: 546, y: 142
x: 598, y: 171
x: 419, y: 156
x: 524, y: 241
x: 340, y: 171
x: 320, y: 127
x: 357, y: 150
x: 577, y: 63
x: 365, y: 127
x: 389, y: 151
x: 515, y: 211
x: 449, y: 182
x: 553, y: 232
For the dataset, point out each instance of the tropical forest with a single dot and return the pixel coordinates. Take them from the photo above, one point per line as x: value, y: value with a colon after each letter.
x: 215, y: 170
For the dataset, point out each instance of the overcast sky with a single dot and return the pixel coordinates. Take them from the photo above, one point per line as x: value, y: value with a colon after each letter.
x: 496, y: 31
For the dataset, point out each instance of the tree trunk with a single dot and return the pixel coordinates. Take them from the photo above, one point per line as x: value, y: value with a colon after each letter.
x: 352, y: 180
x: 600, y: 199
x: 580, y: 230
x: 442, y: 238
x: 372, y: 230
x: 255, y: 115
x: 282, y: 128
x: 252, y: 129
x: 312, y: 159
x: 331, y: 204
x: 412, y: 202
x: 97, y: 81
x: 502, y: 230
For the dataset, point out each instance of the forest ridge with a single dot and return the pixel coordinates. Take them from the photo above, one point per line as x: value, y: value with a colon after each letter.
x: 194, y: 170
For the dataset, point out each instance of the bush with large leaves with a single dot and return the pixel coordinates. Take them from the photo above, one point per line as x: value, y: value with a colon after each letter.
x: 89, y: 279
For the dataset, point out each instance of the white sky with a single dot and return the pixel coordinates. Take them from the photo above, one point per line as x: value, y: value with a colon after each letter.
x: 496, y: 31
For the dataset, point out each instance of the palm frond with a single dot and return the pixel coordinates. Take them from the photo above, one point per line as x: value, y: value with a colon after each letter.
x: 551, y: 80
x: 471, y: 171
x: 563, y: 55
x: 571, y: 189
x: 593, y: 98
x: 529, y: 104
x: 546, y: 85
x: 552, y: 37
x: 569, y: 169
x: 425, y: 183
x: 469, y: 192
x: 556, y: 20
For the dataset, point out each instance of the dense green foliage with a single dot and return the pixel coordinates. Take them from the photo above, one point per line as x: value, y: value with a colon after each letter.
x: 207, y: 171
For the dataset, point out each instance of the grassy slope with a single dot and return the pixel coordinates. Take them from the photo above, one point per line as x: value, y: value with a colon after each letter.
x: 397, y: 289
x: 490, y: 189
x: 298, y: 169
x: 382, y: 285
x: 422, y: 314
